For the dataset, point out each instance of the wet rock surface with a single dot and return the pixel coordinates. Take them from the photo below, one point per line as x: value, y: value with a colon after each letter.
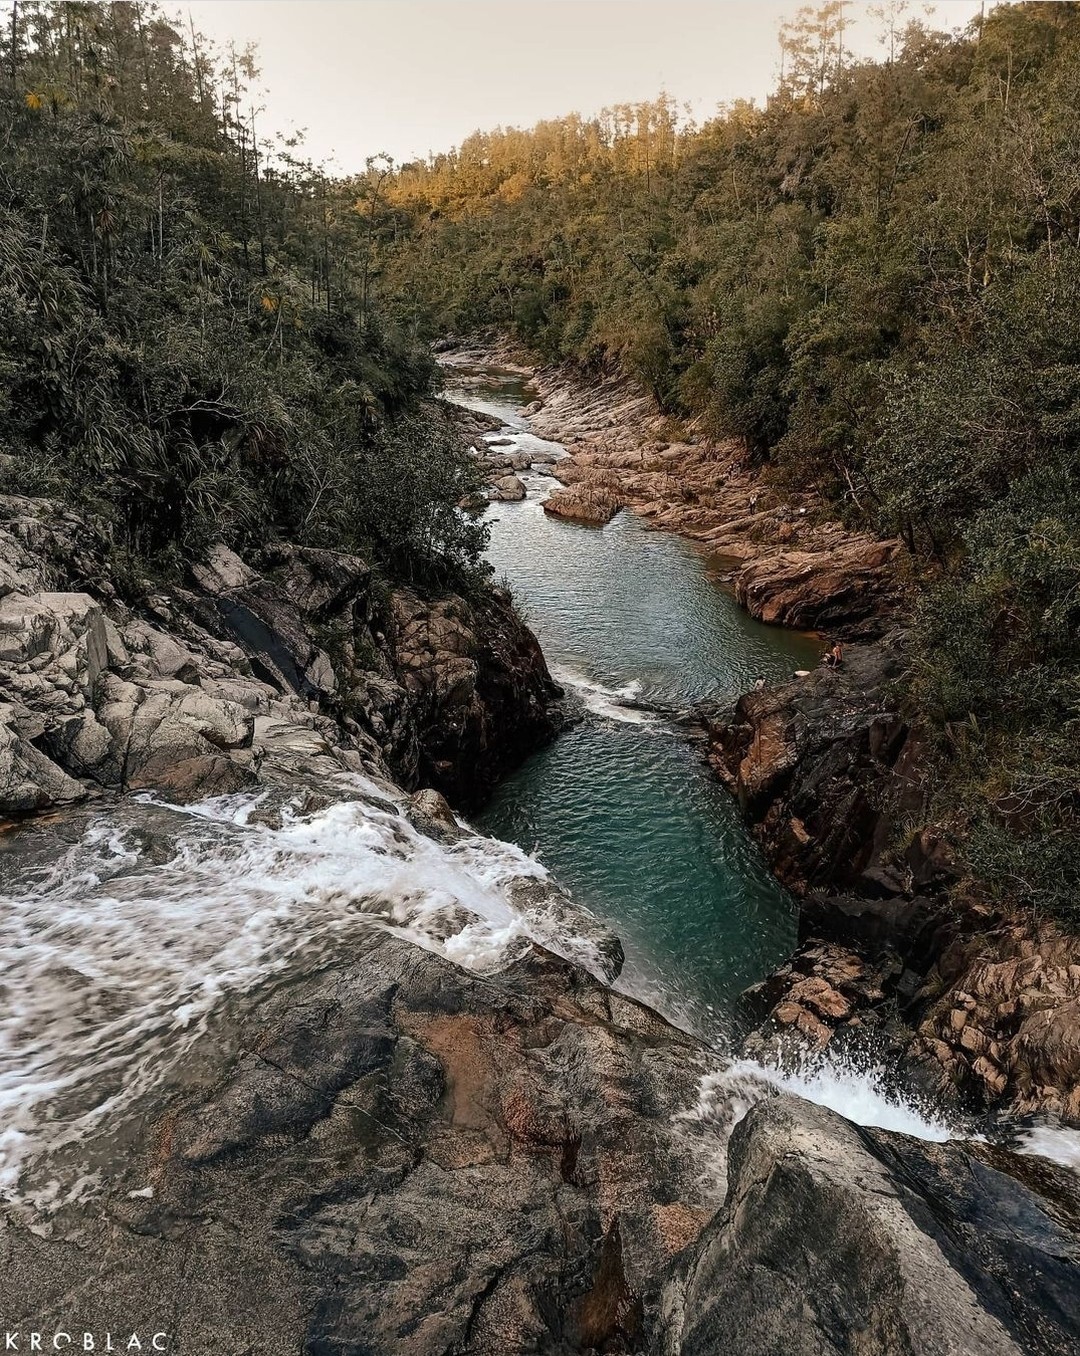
x: 401, y: 1157
x: 835, y: 1239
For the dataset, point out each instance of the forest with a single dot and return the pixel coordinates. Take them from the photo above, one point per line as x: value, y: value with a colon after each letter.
x: 188, y: 347
x: 873, y: 282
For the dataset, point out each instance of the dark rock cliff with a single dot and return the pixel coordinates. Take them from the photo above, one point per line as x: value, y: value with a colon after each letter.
x: 978, y: 1007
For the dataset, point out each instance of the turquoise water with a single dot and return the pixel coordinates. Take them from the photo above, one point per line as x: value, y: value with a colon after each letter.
x: 621, y: 808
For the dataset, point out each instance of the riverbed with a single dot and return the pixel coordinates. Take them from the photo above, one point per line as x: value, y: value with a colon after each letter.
x: 621, y: 808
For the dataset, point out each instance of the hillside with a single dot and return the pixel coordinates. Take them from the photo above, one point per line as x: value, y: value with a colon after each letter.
x: 871, y: 283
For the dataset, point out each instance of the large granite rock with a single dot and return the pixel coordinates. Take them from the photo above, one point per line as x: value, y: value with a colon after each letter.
x: 396, y: 1156
x: 827, y: 771
x: 402, y: 1158
x: 836, y: 1241
x: 248, y: 672
x: 29, y: 780
x: 850, y: 590
x: 585, y: 502
x: 478, y: 687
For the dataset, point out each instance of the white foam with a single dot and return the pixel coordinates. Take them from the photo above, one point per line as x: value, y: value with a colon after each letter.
x: 118, y: 955
x: 856, y: 1095
x: 1060, y: 1145
x: 611, y: 703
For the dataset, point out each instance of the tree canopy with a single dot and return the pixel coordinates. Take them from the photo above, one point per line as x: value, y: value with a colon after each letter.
x: 188, y: 341
x: 873, y: 281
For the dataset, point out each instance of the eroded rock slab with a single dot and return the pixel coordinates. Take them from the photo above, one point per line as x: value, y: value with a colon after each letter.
x: 403, y: 1158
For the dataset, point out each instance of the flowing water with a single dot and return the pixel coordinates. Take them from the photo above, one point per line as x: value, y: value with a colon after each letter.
x: 135, y: 936
x: 622, y: 808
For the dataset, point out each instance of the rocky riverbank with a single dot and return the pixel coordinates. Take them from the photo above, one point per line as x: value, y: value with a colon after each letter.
x: 791, y: 563
x: 979, y: 1008
x: 406, y: 1158
x: 381, y: 1150
x: 226, y: 678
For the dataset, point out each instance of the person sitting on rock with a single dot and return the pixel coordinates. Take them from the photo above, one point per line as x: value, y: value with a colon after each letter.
x: 834, y: 657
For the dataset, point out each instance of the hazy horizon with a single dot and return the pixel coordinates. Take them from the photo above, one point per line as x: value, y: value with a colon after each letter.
x: 411, y: 77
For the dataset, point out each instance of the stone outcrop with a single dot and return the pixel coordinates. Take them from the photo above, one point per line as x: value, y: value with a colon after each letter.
x: 590, y: 501
x: 998, y: 1019
x: 403, y: 1158
x: 396, y: 1156
x: 208, y: 686
x: 827, y: 770
x: 846, y: 590
x: 478, y: 688
x: 975, y: 1008
x: 839, y: 1240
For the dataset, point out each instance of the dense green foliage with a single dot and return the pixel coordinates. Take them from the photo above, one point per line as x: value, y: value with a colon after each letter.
x: 187, y: 344
x: 874, y: 281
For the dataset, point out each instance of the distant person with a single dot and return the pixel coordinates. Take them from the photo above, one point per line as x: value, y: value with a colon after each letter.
x: 759, y: 682
x: 834, y: 657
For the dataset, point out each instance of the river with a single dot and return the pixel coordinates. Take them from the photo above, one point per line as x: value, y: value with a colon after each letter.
x: 621, y: 808
x: 137, y: 935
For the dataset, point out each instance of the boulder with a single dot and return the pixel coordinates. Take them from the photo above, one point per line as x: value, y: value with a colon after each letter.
x: 821, y: 768
x: 509, y: 489
x: 29, y: 780
x: 479, y: 690
x: 851, y: 590
x: 60, y: 632
x: 835, y: 1240
x: 584, y: 503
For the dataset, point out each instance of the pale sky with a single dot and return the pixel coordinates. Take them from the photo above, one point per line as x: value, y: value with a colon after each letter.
x: 412, y: 76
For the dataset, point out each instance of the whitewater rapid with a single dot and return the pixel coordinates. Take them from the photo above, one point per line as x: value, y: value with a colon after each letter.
x: 134, y: 952
x: 151, y: 928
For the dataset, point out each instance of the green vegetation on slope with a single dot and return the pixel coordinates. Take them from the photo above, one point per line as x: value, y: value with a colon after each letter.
x: 187, y: 343
x: 875, y: 282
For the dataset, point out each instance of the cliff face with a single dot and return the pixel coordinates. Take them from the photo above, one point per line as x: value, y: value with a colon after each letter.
x: 979, y: 1008
x: 202, y: 688
x: 826, y: 771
